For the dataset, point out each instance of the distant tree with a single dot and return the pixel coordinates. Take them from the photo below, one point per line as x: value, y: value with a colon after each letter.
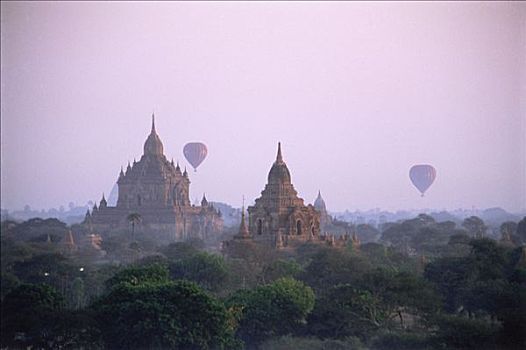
x: 207, y: 270
x: 37, y: 227
x: 400, y: 293
x: 379, y: 301
x: 521, y: 230
x: 279, y: 308
x: 330, y: 267
x: 138, y: 275
x: 134, y: 219
x: 475, y: 226
x: 175, y: 315
x: 458, y: 245
x: 179, y: 250
x: 52, y: 268
x: 279, y: 269
x: 367, y: 233
x: 451, y: 275
x: 345, y: 311
x: 508, y: 228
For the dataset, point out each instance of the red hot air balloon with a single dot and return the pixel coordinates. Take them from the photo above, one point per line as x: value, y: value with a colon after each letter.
x: 195, y: 153
x: 422, y: 176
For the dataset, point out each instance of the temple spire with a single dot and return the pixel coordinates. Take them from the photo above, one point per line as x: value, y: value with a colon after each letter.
x: 243, y: 229
x: 279, y: 158
x: 153, y: 123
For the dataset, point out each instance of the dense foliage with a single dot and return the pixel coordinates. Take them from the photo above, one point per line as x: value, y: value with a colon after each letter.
x: 415, y: 284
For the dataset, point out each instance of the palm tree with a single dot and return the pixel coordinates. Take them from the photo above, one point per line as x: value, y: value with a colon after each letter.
x: 134, y: 219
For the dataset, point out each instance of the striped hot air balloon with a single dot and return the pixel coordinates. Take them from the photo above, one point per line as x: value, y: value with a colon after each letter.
x: 422, y: 176
x: 195, y: 153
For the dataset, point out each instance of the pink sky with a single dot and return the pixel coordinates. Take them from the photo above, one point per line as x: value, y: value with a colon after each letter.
x: 356, y: 93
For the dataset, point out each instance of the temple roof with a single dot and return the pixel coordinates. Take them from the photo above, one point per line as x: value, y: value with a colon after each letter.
x: 279, y: 173
x: 153, y: 144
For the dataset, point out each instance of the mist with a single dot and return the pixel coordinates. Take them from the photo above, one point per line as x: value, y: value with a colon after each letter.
x: 356, y: 92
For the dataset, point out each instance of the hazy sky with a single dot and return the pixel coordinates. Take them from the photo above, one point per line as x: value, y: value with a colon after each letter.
x: 356, y: 93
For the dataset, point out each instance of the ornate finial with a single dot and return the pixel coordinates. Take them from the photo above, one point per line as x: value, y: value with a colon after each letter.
x: 103, y: 196
x: 279, y: 158
x: 122, y: 172
x: 153, y: 122
x: 185, y: 173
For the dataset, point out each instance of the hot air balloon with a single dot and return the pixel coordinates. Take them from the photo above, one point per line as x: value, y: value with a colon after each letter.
x: 195, y: 153
x: 422, y: 176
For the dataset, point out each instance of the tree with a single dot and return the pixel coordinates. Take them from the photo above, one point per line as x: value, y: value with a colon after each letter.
x: 367, y: 233
x: 138, y: 275
x: 475, y: 226
x: 177, y: 315
x: 345, y: 311
x: 457, y: 332
x: 179, y: 250
x: 53, y: 269
x: 134, y: 219
x: 279, y: 269
x: 77, y: 297
x: 521, y: 230
x: 279, y: 308
x: 28, y: 315
x: 332, y: 267
x: 508, y: 228
x: 207, y: 270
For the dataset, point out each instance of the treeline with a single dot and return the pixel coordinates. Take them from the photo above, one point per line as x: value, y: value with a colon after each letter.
x: 424, y: 285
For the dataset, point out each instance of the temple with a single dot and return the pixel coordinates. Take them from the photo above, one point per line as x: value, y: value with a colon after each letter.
x: 158, y: 191
x: 279, y: 218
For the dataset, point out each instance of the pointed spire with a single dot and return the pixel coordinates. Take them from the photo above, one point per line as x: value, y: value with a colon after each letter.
x: 279, y: 158
x: 178, y: 168
x: 243, y: 230
x: 172, y: 162
x: 153, y: 123
x: 134, y: 161
x: 185, y: 173
x: 103, y: 203
x: 204, y: 202
x: 121, y: 174
x: 128, y: 168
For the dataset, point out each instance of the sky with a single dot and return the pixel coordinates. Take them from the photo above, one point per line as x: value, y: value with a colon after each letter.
x: 357, y: 93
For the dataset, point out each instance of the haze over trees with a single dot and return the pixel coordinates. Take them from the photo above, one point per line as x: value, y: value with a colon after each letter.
x: 421, y: 284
